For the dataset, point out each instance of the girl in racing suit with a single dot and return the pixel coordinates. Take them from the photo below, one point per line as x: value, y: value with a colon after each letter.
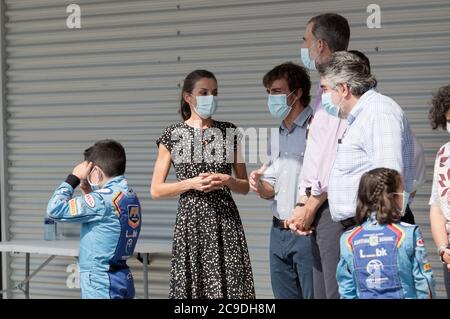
x: 382, y: 257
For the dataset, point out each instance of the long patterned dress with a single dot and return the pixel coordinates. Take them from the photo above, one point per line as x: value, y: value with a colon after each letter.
x: 210, y: 257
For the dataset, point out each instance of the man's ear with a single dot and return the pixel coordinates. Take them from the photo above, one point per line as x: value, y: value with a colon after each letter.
x: 346, y: 91
x: 299, y: 93
x: 321, y: 46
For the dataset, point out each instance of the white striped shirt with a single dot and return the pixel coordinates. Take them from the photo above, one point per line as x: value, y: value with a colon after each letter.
x: 378, y: 136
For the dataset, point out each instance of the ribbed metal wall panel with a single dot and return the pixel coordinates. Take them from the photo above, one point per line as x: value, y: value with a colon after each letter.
x: 119, y: 75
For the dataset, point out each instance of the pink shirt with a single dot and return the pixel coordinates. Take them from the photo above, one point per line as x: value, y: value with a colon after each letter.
x: 321, y: 148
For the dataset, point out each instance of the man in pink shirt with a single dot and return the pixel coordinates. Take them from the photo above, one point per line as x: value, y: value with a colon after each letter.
x: 324, y: 35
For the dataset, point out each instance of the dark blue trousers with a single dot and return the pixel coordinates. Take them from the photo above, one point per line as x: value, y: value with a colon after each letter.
x: 290, y: 265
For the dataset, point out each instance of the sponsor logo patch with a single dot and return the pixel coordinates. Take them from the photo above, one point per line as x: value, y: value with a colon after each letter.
x: 129, y: 246
x: 379, y: 252
x: 375, y: 278
x: 133, y: 216
x: 73, y: 207
x: 89, y: 200
x: 373, y: 240
x: 420, y: 242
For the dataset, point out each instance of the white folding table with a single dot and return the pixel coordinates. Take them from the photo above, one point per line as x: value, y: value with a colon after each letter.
x: 70, y: 248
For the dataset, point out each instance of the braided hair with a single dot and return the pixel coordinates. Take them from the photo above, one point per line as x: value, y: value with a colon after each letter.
x: 375, y: 195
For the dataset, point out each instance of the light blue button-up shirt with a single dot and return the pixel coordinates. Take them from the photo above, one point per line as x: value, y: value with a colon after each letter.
x: 378, y: 136
x: 286, y: 163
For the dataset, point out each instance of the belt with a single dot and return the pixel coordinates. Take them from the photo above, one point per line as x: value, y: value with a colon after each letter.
x: 280, y: 223
x: 349, y: 222
x: 114, y: 268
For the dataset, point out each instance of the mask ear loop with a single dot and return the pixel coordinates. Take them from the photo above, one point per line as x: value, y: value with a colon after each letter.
x: 190, y: 103
x: 404, y: 203
x: 88, y: 178
x: 340, y: 103
x: 315, y: 42
x: 193, y: 108
x: 100, y: 175
x: 294, y: 100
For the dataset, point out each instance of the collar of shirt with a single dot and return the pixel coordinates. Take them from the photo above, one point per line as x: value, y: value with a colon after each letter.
x: 371, y: 222
x: 300, y: 121
x: 318, y: 100
x: 115, y: 180
x: 359, y: 106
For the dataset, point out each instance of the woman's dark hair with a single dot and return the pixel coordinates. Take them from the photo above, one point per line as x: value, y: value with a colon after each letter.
x: 375, y: 195
x: 188, y: 86
x: 439, y: 107
x: 296, y: 76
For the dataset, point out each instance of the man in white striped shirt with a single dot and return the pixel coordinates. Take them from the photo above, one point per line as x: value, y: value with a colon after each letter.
x: 378, y: 134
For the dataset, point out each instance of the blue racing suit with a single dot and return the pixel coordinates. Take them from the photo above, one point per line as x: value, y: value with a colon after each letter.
x: 384, y: 262
x: 111, y: 223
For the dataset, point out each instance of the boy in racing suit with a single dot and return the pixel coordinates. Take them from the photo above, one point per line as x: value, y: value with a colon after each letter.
x: 110, y: 215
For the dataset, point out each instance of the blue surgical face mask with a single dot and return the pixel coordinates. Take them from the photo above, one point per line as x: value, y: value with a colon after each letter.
x: 278, y: 107
x: 306, y: 59
x: 328, y: 105
x: 206, y: 105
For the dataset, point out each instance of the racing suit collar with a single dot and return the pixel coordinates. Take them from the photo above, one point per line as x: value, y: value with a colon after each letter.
x: 115, y: 180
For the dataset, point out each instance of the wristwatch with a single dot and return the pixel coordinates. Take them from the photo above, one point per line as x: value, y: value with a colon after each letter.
x: 441, y: 251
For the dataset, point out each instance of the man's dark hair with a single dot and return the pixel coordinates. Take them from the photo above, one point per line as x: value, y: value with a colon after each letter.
x: 349, y: 68
x: 362, y: 56
x: 296, y: 76
x: 440, y: 105
x: 109, y: 155
x: 333, y: 29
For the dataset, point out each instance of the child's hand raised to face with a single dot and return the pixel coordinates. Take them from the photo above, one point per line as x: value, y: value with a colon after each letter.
x: 82, y: 170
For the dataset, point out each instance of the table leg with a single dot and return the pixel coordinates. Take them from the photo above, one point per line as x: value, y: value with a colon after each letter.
x: 27, y: 274
x: 145, y: 262
x: 26, y: 281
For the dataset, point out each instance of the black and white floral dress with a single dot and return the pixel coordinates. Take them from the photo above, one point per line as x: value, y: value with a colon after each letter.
x: 210, y: 258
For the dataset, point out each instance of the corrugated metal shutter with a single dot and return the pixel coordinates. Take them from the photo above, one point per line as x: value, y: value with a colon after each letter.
x: 118, y: 77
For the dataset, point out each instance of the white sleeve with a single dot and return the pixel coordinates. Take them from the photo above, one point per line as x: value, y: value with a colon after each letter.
x: 419, y: 165
x: 434, y: 199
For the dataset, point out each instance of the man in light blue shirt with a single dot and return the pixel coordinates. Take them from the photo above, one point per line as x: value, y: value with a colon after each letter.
x: 378, y: 134
x: 286, y: 163
x: 288, y: 86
